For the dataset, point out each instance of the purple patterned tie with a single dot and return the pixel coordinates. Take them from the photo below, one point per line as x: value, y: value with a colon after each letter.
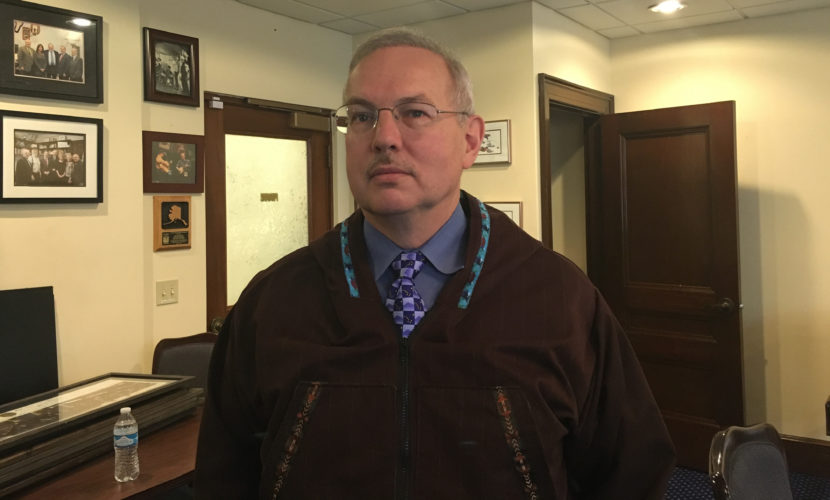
x: 403, y: 300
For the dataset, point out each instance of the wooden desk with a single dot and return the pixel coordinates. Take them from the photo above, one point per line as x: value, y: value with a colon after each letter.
x: 167, y: 458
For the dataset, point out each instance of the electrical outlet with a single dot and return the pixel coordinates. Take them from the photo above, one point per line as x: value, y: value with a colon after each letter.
x: 167, y: 292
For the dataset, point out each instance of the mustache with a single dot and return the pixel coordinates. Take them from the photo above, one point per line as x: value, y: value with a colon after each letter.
x: 383, y: 162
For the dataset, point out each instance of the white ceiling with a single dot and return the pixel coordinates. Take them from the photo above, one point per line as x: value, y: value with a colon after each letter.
x: 609, y: 18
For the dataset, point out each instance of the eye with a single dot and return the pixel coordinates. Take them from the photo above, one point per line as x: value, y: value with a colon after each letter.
x: 413, y: 113
x: 361, y: 117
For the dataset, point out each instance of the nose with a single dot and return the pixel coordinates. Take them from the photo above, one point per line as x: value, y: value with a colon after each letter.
x: 387, y: 135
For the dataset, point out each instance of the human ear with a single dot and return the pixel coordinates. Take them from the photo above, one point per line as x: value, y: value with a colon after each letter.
x: 474, y: 134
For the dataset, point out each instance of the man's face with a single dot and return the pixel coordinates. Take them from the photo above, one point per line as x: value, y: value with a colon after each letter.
x: 63, y: 50
x: 393, y: 170
x: 74, y: 51
x: 25, y: 153
x: 51, y: 47
x: 76, y: 158
x: 28, y: 42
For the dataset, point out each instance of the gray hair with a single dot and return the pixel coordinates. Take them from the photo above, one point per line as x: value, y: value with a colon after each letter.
x: 402, y: 37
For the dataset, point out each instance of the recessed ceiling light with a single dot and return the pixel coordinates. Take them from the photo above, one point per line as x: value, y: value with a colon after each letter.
x: 667, y: 7
x: 80, y: 21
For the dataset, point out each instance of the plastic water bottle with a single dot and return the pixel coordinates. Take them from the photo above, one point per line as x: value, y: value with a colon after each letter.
x: 125, y: 442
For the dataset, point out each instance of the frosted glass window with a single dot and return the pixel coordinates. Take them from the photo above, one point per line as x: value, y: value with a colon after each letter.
x: 266, y: 193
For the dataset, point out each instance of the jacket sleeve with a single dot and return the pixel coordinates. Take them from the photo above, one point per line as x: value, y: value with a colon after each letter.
x: 621, y: 447
x: 227, y: 458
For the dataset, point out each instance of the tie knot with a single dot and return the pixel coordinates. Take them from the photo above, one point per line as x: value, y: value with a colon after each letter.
x: 408, y: 264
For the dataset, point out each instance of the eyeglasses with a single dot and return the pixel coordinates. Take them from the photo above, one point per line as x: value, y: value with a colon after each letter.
x: 361, y: 118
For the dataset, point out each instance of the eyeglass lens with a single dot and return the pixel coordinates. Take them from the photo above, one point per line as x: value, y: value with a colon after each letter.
x: 362, y: 118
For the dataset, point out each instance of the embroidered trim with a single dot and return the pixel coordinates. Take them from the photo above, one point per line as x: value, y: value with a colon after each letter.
x: 292, y: 443
x: 346, y: 254
x: 478, y: 263
x: 514, y: 443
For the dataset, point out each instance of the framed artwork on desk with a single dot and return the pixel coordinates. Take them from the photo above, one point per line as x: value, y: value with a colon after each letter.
x: 50, y: 52
x: 31, y: 418
x: 51, y: 158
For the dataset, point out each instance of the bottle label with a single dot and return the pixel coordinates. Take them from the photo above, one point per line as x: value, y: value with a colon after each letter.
x: 126, y: 440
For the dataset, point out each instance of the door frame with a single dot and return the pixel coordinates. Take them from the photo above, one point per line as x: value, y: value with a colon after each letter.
x: 591, y: 104
x: 321, y: 213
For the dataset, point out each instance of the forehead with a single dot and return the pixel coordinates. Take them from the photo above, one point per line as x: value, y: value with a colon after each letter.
x: 393, y: 73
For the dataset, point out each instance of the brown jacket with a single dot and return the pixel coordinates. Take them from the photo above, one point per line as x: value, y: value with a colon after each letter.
x: 517, y: 384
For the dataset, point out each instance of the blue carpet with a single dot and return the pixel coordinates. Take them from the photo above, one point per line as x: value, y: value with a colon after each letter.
x: 688, y: 484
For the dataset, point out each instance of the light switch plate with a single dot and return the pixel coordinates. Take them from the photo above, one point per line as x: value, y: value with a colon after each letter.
x: 167, y: 292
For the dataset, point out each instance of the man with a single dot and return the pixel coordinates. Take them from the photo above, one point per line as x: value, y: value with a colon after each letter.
x: 25, y: 58
x: 77, y: 177
x: 63, y: 64
x: 23, y: 168
x: 52, y: 56
x: 491, y: 369
x: 76, y: 66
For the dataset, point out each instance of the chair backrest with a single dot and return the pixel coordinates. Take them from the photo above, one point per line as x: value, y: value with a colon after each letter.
x: 749, y: 463
x: 185, y: 356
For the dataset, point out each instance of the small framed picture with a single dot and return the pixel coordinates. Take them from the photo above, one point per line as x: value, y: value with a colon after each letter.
x: 171, y: 222
x: 495, y: 148
x: 512, y: 209
x: 50, y: 52
x: 51, y: 158
x: 171, y: 68
x: 173, y: 163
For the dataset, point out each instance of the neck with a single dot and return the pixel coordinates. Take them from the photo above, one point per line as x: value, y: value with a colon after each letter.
x: 410, y: 231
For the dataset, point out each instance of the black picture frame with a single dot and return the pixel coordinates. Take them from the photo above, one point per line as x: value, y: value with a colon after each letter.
x: 69, y: 79
x: 167, y: 57
x: 31, y: 419
x: 61, y: 177
x: 173, y: 163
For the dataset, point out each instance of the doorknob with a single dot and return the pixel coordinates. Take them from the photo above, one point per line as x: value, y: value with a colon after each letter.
x: 725, y: 306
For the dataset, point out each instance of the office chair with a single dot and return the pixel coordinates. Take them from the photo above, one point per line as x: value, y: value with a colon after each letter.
x: 185, y: 356
x: 749, y: 463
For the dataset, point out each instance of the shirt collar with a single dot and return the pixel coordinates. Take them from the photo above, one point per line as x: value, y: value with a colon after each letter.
x: 444, y: 250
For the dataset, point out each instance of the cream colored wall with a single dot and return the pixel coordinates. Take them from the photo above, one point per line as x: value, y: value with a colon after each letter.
x: 566, y: 50
x: 99, y: 258
x: 776, y: 70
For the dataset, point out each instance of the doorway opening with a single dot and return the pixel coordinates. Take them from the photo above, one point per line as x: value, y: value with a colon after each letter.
x: 268, y: 189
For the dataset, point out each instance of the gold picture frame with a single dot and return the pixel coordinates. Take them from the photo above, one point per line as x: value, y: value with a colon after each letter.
x: 171, y: 222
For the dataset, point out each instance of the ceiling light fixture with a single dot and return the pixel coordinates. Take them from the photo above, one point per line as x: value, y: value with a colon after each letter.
x: 667, y: 7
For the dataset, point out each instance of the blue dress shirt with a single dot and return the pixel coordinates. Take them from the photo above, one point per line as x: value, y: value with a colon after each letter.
x: 444, y: 252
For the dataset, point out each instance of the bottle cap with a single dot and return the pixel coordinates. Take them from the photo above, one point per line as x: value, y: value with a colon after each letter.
x: 125, y: 410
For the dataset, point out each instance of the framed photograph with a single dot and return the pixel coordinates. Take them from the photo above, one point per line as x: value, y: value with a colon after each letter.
x: 171, y: 222
x: 173, y: 163
x: 51, y: 158
x: 51, y: 52
x: 512, y: 209
x: 171, y: 68
x: 32, y: 417
x: 495, y: 148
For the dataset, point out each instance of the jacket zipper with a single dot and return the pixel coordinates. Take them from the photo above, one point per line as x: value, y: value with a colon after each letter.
x: 405, y: 458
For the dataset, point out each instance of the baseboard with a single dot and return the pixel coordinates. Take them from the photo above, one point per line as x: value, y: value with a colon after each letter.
x: 807, y: 455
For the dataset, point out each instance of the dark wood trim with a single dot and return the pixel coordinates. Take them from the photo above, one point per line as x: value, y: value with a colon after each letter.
x: 570, y: 96
x: 807, y: 455
x: 215, y: 234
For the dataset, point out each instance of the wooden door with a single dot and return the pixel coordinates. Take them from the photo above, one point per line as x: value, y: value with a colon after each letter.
x: 226, y: 116
x: 663, y: 249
